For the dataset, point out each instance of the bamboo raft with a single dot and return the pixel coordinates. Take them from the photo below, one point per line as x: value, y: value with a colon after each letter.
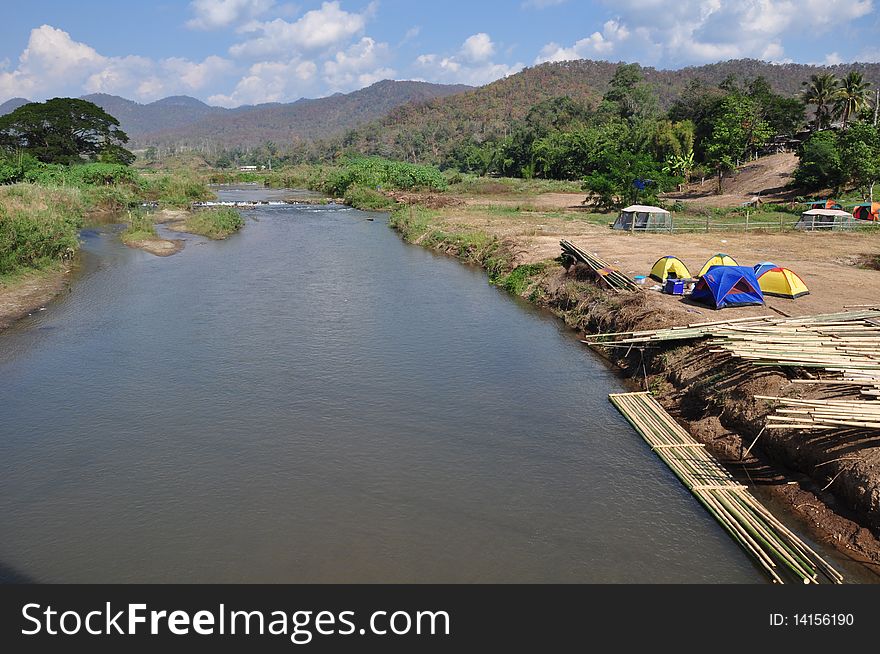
x: 613, y: 278
x: 758, y: 532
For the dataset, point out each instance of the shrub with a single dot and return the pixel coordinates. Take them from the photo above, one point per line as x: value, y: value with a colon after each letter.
x: 367, y: 199
x: 215, y: 223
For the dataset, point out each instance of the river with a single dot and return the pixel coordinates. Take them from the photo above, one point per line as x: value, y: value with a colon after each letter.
x: 313, y: 400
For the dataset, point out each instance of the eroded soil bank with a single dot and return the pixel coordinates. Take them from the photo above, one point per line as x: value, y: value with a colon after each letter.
x: 31, y: 291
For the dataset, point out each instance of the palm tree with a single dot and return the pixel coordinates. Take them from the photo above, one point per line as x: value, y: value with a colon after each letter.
x: 821, y: 91
x: 852, y: 96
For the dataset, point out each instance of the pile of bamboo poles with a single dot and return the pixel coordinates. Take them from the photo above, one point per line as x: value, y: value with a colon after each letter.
x: 822, y: 414
x: 832, y: 325
x: 613, y: 278
x: 767, y: 540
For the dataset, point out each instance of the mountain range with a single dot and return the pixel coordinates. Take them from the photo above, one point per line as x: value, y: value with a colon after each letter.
x: 186, y: 121
x: 395, y: 117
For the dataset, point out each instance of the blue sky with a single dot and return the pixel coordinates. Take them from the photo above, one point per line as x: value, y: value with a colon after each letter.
x: 233, y: 52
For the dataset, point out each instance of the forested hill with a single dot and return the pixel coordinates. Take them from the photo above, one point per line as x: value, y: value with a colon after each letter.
x: 429, y: 131
x: 297, y: 122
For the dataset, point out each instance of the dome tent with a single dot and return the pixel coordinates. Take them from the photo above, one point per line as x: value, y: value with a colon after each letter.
x: 782, y: 282
x: 718, y: 260
x: 667, y: 267
x: 761, y: 268
x: 728, y: 286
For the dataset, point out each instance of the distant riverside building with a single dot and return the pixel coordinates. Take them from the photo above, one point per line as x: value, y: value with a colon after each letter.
x: 245, y: 169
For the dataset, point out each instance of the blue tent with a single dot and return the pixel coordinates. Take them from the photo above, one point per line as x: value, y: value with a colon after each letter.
x: 764, y: 266
x: 728, y: 286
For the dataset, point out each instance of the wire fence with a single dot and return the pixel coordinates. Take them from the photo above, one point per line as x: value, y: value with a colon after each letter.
x: 784, y: 223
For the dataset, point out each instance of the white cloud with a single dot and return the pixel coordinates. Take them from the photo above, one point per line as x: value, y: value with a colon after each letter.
x: 598, y: 44
x: 411, y: 34
x: 470, y: 65
x: 216, y: 14
x: 270, y: 81
x: 54, y: 64
x: 683, y: 32
x: 315, y: 30
x: 359, y: 66
x: 478, y: 48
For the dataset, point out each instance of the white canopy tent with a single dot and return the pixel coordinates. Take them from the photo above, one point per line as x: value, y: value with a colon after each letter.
x: 643, y: 217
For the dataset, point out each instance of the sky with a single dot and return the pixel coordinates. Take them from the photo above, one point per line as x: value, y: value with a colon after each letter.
x: 235, y: 52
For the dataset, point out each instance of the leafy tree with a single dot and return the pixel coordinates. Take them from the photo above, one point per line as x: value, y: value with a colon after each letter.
x: 627, y: 177
x: 783, y: 115
x: 629, y: 96
x: 852, y: 96
x: 738, y: 130
x: 821, y: 92
x: 820, y: 165
x: 860, y: 156
x: 680, y: 165
x: 64, y: 131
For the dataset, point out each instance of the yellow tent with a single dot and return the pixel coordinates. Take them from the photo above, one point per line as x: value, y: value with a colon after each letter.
x: 717, y: 260
x: 669, y: 267
x: 782, y: 282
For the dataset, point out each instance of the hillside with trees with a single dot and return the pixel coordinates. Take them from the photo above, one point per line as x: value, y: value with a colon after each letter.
x: 433, y: 131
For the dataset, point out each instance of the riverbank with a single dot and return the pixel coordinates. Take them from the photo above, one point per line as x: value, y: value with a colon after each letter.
x: 835, y: 496
x: 30, y: 291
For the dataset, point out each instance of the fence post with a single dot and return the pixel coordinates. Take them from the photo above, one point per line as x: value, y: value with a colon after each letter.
x: 780, y: 223
x: 747, y: 220
x: 707, y: 223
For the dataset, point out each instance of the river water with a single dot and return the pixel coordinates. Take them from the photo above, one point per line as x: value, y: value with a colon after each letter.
x: 313, y: 400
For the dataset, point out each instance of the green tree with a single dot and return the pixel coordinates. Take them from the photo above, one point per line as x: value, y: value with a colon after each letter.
x: 821, y: 92
x: 627, y: 177
x: 820, y: 165
x: 783, y: 115
x: 737, y: 131
x: 629, y: 96
x: 852, y: 96
x: 860, y: 156
x: 65, y: 131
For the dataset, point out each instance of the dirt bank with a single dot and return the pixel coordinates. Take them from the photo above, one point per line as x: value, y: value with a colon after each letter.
x: 31, y: 291
x: 832, y: 486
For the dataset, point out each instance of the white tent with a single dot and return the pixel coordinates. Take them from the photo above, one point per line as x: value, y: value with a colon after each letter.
x: 643, y: 218
x: 825, y: 219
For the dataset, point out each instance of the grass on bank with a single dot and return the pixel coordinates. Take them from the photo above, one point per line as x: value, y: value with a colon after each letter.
x: 216, y: 223
x: 38, y: 226
x: 140, y: 228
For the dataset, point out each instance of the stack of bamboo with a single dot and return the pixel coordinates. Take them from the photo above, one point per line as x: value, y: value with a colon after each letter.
x: 831, y: 326
x: 822, y: 414
x: 613, y: 278
x: 765, y: 538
